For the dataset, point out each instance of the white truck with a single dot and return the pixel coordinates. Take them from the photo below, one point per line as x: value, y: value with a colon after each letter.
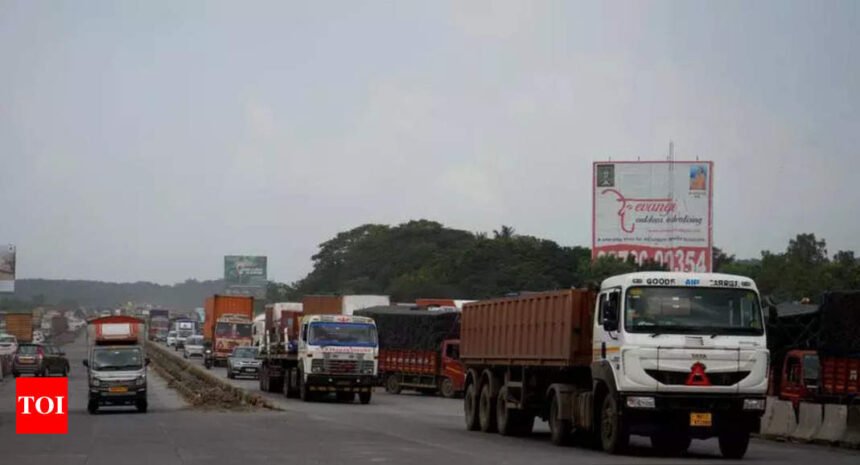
x: 671, y: 356
x: 334, y: 354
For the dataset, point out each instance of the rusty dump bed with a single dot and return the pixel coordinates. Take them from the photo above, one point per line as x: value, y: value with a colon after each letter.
x: 544, y: 329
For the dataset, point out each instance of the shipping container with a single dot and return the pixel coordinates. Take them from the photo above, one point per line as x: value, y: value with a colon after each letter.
x: 20, y: 325
x: 219, y: 305
x: 548, y: 329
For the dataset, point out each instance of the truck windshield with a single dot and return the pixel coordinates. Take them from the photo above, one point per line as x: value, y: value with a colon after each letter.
x: 692, y: 310
x: 233, y: 330
x: 342, y: 334
x: 810, y: 367
x: 117, y: 359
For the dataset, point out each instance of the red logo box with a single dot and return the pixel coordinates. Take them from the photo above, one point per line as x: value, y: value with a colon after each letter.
x: 41, y: 405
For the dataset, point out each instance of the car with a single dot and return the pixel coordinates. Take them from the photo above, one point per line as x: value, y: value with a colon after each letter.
x: 55, y: 361
x: 193, y: 347
x: 29, y: 359
x: 8, y: 344
x: 243, y: 362
x: 171, y: 339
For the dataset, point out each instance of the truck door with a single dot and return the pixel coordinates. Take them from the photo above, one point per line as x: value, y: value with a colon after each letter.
x: 452, y: 367
x: 792, y: 379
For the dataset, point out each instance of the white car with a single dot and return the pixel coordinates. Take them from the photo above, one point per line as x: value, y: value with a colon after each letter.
x: 8, y: 344
x: 171, y: 339
x: 193, y: 347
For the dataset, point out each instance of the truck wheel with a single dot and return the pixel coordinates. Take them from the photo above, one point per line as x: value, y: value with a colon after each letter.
x: 286, y: 385
x: 446, y: 388
x: 470, y: 407
x: 304, y: 392
x: 263, y: 378
x: 92, y: 407
x: 614, y: 436
x: 364, y: 397
x: 392, y: 384
x: 275, y: 385
x: 669, y: 443
x: 560, y: 429
x: 508, y: 420
x: 734, y: 445
x: 487, y: 410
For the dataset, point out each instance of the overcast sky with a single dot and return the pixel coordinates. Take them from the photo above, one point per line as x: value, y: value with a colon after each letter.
x: 145, y: 140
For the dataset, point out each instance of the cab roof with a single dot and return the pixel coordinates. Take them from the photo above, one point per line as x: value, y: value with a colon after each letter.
x: 671, y: 278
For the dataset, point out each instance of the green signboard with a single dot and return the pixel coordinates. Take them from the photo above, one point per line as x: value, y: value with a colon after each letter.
x: 245, y: 275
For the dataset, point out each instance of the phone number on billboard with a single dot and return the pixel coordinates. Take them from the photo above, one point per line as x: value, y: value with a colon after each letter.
x: 683, y: 260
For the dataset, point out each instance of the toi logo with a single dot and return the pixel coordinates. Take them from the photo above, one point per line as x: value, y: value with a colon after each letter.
x: 41, y: 406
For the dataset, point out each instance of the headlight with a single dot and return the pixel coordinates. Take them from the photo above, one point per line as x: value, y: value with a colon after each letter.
x: 208, y: 351
x: 140, y: 381
x: 641, y: 402
x: 753, y: 404
x: 95, y: 382
x: 316, y: 369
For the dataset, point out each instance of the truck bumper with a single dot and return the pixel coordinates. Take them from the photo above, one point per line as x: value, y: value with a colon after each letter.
x: 676, y: 413
x: 104, y: 397
x: 340, y: 383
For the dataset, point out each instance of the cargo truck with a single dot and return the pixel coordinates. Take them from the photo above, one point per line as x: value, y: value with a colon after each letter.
x: 227, y: 325
x: 671, y: 356
x: 334, y: 354
x: 184, y: 328
x: 116, y: 363
x: 815, y: 349
x: 159, y: 324
x: 20, y: 325
x: 418, y: 349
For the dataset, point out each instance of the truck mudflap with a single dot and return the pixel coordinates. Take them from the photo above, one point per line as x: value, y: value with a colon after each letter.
x: 340, y: 383
x: 698, y: 417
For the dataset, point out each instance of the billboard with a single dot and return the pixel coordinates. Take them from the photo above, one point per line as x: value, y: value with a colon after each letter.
x: 245, y: 276
x: 654, y: 210
x: 7, y: 268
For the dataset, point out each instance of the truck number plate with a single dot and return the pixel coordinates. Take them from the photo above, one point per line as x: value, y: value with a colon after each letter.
x: 700, y: 419
x: 118, y: 389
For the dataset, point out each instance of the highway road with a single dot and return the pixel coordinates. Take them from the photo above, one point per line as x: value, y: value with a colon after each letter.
x: 404, y: 429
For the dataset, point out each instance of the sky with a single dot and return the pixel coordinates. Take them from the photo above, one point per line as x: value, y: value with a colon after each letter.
x: 146, y: 140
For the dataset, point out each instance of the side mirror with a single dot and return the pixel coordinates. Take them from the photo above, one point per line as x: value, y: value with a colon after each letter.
x: 86, y: 363
x: 610, y: 313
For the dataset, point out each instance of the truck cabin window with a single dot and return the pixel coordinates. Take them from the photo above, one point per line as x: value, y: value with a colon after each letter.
x: 342, y: 334
x: 453, y: 351
x: 117, y: 359
x: 692, y: 310
x: 810, y: 368
x: 232, y: 330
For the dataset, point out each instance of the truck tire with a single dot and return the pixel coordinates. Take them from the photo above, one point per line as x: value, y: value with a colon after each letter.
x: 287, y: 391
x: 487, y: 410
x: 264, y: 377
x: 733, y: 445
x: 275, y: 384
x: 560, y: 429
x: 670, y: 443
x: 470, y: 407
x: 304, y: 393
x: 364, y: 397
x: 446, y: 388
x: 614, y: 436
x: 507, y: 419
x: 392, y: 384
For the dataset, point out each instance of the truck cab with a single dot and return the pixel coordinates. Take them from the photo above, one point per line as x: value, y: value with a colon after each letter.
x: 800, y: 376
x: 680, y: 356
x: 231, y: 331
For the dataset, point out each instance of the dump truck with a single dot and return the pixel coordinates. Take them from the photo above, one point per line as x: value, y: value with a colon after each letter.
x: 670, y: 356
x: 815, y: 350
x: 159, y: 324
x: 227, y: 325
x: 116, y: 362
x: 334, y: 354
x: 418, y: 349
x: 20, y: 325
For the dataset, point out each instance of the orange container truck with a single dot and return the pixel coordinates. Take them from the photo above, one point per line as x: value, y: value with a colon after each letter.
x: 227, y: 325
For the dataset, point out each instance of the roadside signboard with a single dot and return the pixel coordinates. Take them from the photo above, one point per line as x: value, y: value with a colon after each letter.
x: 245, y: 275
x: 654, y: 210
x: 7, y: 268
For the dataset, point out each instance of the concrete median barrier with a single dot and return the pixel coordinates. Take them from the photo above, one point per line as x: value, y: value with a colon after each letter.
x: 200, y: 387
x: 808, y: 422
x: 851, y: 437
x: 779, y: 420
x: 833, y: 424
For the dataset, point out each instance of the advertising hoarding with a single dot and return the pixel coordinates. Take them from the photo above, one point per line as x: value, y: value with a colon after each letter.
x: 7, y: 268
x: 654, y: 210
x: 245, y: 276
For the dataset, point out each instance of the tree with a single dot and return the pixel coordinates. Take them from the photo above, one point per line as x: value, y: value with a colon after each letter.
x: 720, y: 259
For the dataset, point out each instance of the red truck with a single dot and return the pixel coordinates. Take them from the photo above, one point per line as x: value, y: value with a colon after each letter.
x: 418, y: 349
x: 815, y: 350
x: 227, y: 325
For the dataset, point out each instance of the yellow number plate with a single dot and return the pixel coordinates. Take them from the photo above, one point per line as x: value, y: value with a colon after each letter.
x: 700, y: 419
x: 118, y: 389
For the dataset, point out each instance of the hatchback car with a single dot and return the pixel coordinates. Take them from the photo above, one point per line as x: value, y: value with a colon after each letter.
x: 243, y: 362
x: 29, y: 359
x: 55, y: 361
x: 171, y: 339
x: 193, y: 347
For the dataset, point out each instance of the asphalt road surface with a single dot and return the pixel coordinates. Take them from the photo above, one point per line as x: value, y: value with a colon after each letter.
x: 404, y: 429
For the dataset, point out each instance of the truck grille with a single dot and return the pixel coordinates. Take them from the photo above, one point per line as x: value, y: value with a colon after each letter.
x: 342, y: 367
x: 679, y: 378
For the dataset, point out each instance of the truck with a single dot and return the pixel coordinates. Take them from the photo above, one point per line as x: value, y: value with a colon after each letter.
x: 333, y: 354
x: 159, y: 324
x: 278, y: 317
x: 227, y: 325
x: 671, y: 356
x: 184, y: 327
x: 20, y: 325
x: 814, y: 349
x: 116, y: 363
x: 418, y: 349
